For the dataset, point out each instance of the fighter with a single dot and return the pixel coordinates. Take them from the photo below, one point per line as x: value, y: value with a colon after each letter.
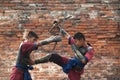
x: 73, y: 67
x: 24, y: 62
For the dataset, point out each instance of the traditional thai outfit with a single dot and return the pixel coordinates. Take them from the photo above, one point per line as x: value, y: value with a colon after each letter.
x: 20, y: 70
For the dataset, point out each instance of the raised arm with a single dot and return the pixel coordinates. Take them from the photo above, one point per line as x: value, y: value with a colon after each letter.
x: 49, y: 40
x: 64, y: 33
x: 74, y: 48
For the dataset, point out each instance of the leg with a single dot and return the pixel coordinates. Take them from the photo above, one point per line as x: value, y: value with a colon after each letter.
x: 55, y: 58
x: 16, y: 74
x: 73, y: 75
x: 43, y: 59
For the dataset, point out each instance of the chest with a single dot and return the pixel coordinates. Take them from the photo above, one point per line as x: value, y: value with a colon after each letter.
x: 83, y: 50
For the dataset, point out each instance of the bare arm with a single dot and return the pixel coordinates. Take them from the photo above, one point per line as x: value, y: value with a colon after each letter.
x: 77, y: 52
x: 64, y: 33
x: 49, y: 40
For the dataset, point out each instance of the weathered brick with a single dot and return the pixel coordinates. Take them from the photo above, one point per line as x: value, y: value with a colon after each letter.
x: 98, y: 20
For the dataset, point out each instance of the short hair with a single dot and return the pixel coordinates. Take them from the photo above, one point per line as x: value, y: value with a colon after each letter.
x: 32, y: 34
x: 78, y: 36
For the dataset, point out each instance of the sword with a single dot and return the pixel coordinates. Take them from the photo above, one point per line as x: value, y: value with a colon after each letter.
x: 56, y: 24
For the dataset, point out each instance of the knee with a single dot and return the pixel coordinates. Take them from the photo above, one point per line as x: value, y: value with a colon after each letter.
x: 55, y: 58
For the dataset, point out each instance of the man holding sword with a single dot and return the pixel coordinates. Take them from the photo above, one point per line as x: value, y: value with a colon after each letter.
x: 74, y: 66
x: 24, y: 62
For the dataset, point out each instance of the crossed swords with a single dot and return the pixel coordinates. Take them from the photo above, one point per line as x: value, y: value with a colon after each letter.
x: 56, y: 25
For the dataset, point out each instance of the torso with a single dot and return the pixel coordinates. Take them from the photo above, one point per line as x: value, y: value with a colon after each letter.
x: 23, y: 57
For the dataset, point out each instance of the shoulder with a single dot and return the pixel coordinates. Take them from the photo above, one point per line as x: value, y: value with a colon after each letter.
x: 27, y: 44
x: 89, y: 48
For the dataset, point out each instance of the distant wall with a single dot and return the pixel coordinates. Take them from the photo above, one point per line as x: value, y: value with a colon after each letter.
x: 99, y: 20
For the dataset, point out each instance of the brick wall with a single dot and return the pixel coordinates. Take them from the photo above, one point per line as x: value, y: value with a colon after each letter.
x: 99, y: 20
